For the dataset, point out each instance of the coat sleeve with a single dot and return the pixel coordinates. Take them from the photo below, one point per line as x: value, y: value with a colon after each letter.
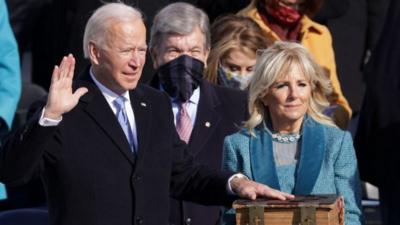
x: 23, y: 152
x: 10, y: 83
x: 347, y: 181
x: 229, y: 157
x: 191, y: 181
x: 343, y: 112
x: 320, y: 46
x: 230, y: 163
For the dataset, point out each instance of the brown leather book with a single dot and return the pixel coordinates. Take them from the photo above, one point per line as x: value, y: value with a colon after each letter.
x: 303, y: 210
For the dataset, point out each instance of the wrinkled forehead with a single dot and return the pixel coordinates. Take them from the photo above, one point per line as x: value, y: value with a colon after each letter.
x: 194, y: 38
x: 125, y: 32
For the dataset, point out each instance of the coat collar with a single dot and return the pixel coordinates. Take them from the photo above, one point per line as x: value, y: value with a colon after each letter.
x: 97, y: 107
x: 311, y: 157
x: 143, y: 114
x: 307, y: 25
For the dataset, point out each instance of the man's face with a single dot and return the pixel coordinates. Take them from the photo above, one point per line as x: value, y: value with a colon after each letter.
x: 173, y: 46
x: 119, y: 64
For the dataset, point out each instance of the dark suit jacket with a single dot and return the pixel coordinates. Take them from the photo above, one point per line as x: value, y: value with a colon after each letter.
x: 220, y: 112
x: 377, y: 136
x: 92, y: 178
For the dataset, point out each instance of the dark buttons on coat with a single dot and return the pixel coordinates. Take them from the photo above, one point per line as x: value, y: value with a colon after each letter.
x: 188, y: 221
x: 139, y: 220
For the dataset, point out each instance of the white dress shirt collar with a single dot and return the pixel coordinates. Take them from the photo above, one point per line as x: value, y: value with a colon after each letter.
x: 108, y: 94
x: 191, y: 107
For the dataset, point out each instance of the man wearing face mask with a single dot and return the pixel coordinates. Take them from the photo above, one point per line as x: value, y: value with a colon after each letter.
x: 204, y: 113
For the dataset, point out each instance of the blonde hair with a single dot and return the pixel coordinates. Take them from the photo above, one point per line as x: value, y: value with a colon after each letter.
x: 276, y: 61
x: 232, y: 33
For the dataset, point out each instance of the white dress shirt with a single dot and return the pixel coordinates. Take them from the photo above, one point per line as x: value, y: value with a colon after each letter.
x: 191, y: 107
x: 110, y: 96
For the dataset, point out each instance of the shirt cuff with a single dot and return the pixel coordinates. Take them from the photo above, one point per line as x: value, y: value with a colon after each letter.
x: 228, y: 185
x: 47, y: 122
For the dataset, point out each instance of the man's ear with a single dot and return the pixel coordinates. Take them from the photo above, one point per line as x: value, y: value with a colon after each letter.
x: 94, y: 53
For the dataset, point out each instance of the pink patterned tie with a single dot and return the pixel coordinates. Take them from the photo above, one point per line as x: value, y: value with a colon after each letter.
x: 184, y: 123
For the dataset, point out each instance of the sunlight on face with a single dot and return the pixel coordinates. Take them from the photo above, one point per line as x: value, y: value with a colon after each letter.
x: 173, y: 46
x: 119, y: 64
x: 288, y: 99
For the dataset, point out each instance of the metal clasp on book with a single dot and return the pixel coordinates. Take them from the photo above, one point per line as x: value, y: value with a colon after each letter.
x: 308, y: 215
x: 256, y: 215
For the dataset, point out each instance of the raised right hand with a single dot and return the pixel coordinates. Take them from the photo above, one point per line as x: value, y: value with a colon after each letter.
x: 61, y: 99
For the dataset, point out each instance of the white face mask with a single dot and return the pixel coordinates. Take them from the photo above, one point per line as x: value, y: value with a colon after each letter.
x: 243, y: 80
x: 233, y: 79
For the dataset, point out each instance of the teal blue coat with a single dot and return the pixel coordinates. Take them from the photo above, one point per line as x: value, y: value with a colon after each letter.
x: 10, y: 77
x: 327, y: 164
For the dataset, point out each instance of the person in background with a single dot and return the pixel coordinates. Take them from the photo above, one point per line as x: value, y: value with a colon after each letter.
x: 10, y: 78
x: 378, y: 131
x: 234, y: 42
x: 288, y: 143
x: 105, y: 145
x: 289, y: 20
x: 218, y: 8
x: 41, y: 25
x: 355, y: 27
x: 204, y: 113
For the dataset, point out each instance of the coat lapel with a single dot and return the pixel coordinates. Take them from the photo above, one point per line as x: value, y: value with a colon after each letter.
x: 262, y: 158
x: 207, y: 118
x: 99, y: 110
x: 311, y: 156
x: 142, y: 110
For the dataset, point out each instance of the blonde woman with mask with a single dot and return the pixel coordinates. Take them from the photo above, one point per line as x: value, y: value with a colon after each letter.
x: 234, y: 42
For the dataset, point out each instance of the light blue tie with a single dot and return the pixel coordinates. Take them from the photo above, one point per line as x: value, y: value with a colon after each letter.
x: 124, y: 121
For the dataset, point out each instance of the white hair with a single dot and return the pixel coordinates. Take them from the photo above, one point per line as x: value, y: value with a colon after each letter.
x: 97, y: 27
x: 179, y: 18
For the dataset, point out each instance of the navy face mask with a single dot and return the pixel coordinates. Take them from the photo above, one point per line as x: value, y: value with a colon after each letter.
x: 181, y: 76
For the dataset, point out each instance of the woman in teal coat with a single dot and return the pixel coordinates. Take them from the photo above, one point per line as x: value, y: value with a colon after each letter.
x: 287, y: 143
